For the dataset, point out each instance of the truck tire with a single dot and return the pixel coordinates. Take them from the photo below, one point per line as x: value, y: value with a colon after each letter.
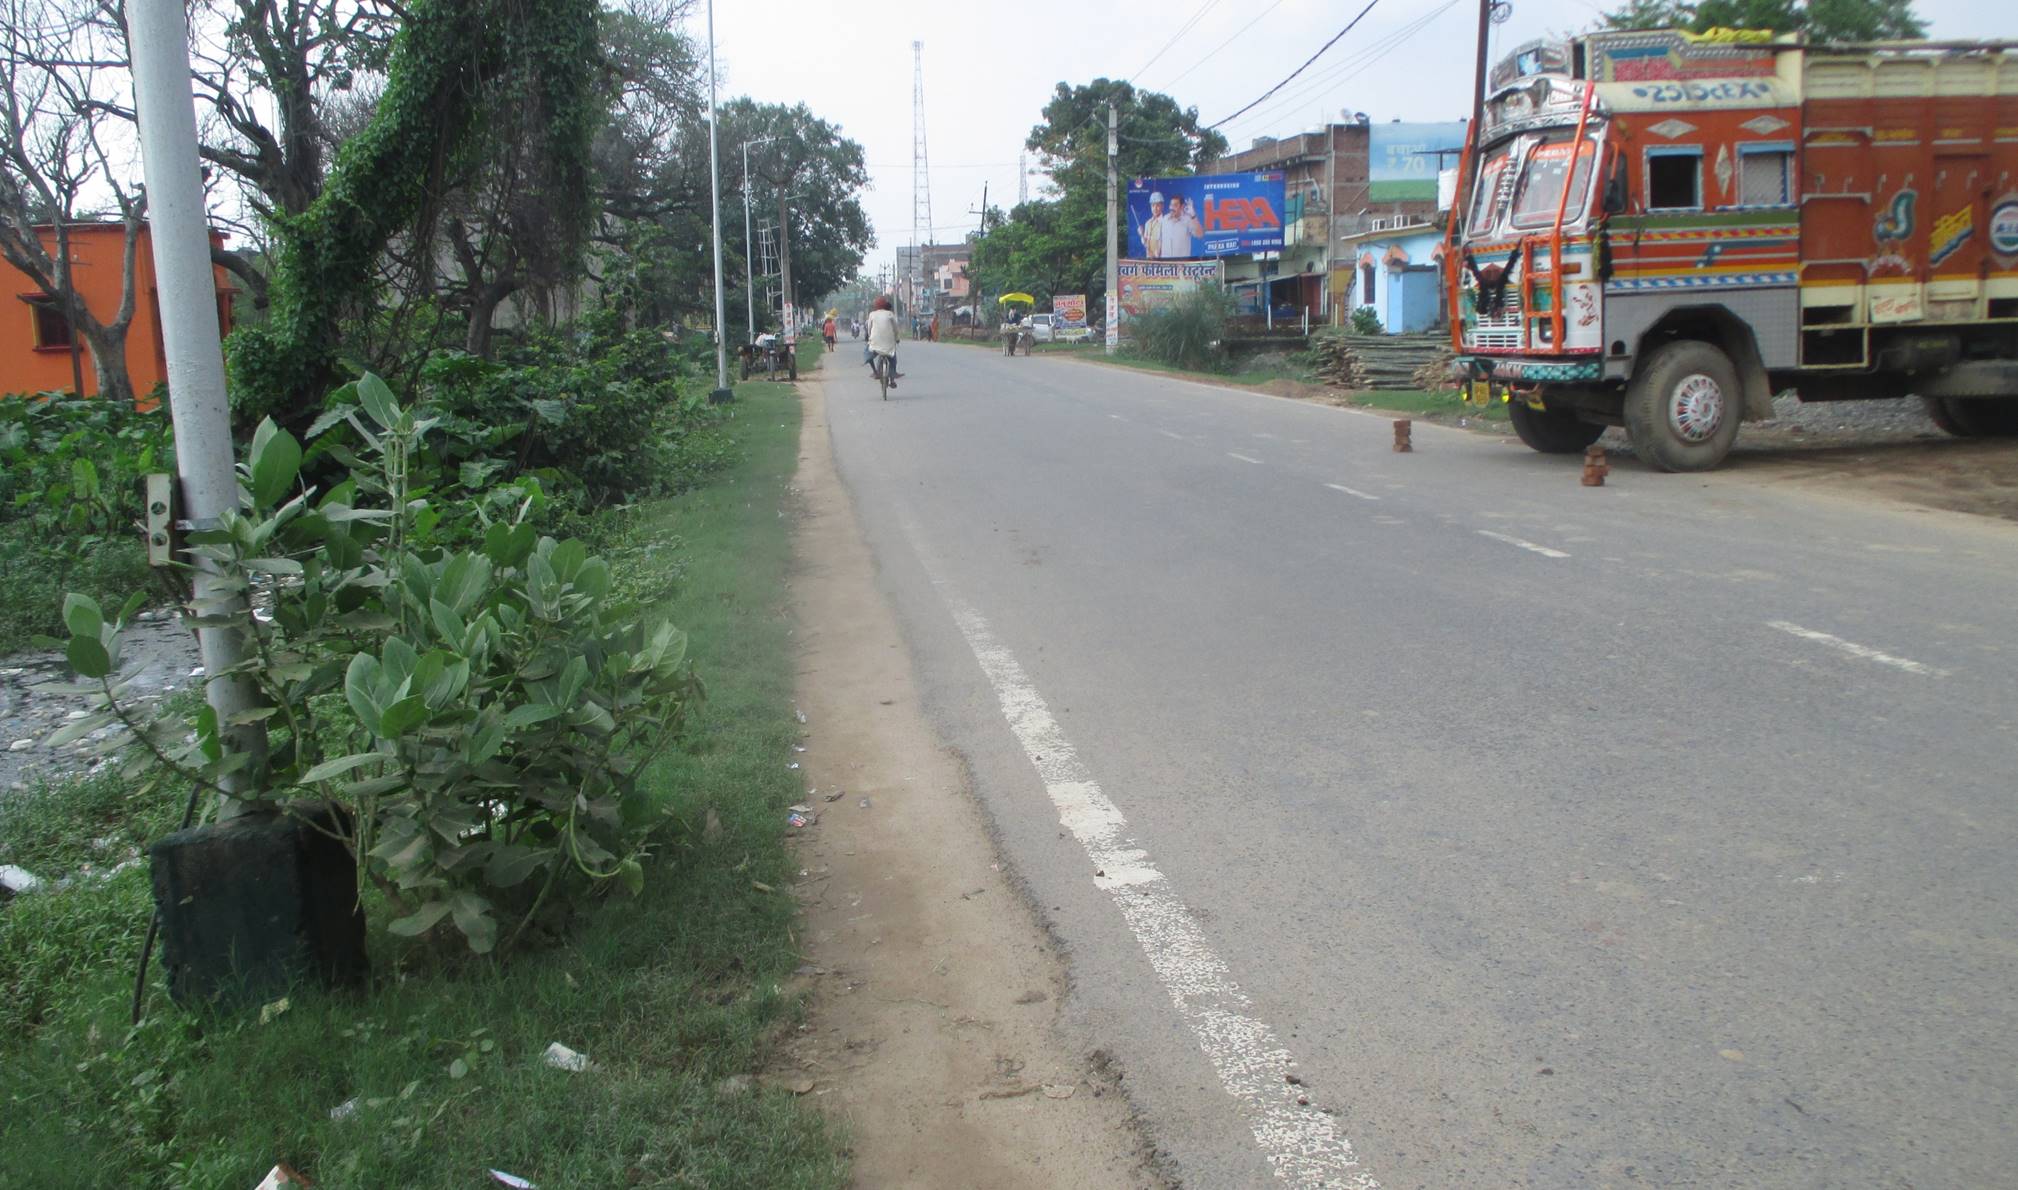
x: 1974, y: 417
x: 1552, y: 431
x: 1683, y: 405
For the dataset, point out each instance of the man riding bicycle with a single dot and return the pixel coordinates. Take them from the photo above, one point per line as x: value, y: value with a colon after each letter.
x: 883, y: 340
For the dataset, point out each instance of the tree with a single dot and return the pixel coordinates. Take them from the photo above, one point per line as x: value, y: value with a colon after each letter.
x: 55, y: 159
x: 1058, y: 244
x: 809, y: 174
x: 451, y: 64
x: 1821, y: 20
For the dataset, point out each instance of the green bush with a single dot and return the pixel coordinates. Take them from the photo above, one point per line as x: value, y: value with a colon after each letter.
x: 474, y: 697
x: 1190, y: 332
x: 1366, y: 321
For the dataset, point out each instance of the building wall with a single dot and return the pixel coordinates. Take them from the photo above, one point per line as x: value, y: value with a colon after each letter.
x: 1407, y: 299
x: 27, y: 366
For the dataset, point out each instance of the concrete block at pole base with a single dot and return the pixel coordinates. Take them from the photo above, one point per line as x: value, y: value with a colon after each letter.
x: 259, y: 904
x: 721, y: 396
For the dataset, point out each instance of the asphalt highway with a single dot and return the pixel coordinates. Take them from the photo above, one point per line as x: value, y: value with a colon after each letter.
x: 1432, y: 820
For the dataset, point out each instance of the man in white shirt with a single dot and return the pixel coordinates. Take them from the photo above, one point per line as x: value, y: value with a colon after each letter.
x: 883, y: 339
x: 1176, y: 229
x: 1152, y: 230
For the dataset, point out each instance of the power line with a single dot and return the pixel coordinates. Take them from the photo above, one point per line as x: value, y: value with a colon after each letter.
x: 1306, y: 63
x: 1222, y: 45
x: 1176, y: 37
x: 1351, y: 68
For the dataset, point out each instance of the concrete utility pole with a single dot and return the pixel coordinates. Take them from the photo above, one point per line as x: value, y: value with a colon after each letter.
x: 166, y: 115
x: 1113, y: 223
x: 715, y: 196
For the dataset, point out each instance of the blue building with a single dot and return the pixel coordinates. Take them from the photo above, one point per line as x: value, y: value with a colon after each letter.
x: 1396, y: 270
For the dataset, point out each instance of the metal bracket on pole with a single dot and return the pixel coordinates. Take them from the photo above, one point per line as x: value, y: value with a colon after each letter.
x: 160, y: 520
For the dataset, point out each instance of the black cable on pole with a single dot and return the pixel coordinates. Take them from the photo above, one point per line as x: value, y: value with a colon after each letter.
x: 1299, y: 70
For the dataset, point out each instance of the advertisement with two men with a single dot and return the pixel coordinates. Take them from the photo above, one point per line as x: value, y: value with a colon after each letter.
x: 1206, y: 215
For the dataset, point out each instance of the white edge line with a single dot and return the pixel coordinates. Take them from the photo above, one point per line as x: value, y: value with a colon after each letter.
x: 1856, y: 650
x: 1172, y: 434
x: 1529, y: 546
x: 1298, y: 1141
x: 1234, y: 454
x: 1339, y: 487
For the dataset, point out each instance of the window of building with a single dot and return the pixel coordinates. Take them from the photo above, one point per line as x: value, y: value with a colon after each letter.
x: 52, y: 330
x: 1766, y: 175
x: 1366, y: 284
x: 1675, y: 179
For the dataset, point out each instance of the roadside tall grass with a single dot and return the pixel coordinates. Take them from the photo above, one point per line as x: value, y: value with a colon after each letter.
x: 1188, y: 333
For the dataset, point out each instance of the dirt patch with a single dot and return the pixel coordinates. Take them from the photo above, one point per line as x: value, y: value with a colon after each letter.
x: 933, y: 1026
x: 1978, y: 477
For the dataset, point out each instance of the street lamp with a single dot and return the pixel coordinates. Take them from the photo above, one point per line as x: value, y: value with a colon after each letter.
x: 722, y: 391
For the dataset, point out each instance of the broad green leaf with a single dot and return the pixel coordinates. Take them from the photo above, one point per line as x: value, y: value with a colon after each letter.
x: 403, y: 716
x: 276, y: 462
x: 378, y: 400
x: 447, y: 622
x: 360, y: 687
x: 632, y: 875
x: 511, y: 863
x: 526, y: 716
x: 472, y: 917
x: 88, y: 657
x: 339, y: 766
x: 81, y: 615
x: 420, y: 921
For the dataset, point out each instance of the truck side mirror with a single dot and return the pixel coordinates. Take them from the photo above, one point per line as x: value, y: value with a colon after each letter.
x: 1615, y: 188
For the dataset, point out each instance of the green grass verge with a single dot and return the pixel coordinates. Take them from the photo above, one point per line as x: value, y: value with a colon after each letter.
x: 1444, y: 405
x: 670, y: 994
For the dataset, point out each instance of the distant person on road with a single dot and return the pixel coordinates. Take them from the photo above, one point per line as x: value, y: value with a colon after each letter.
x: 883, y: 340
x: 1175, y: 233
x: 829, y: 332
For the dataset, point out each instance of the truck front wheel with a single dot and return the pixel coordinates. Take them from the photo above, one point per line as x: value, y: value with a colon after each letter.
x: 1683, y: 405
x: 1974, y: 417
x: 1551, y: 431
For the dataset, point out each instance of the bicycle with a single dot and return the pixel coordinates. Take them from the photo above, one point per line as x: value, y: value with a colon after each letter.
x: 884, y: 366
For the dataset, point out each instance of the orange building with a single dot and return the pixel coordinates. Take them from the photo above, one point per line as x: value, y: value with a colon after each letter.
x: 38, y: 350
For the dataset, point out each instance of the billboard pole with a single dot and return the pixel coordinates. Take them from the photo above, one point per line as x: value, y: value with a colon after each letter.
x: 1113, y: 327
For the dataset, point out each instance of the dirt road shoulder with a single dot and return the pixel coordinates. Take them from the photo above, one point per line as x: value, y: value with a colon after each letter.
x: 933, y: 1026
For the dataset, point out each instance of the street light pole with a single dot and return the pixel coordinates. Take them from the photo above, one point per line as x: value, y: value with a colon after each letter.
x: 715, y: 196
x: 180, y: 233
x: 1113, y: 297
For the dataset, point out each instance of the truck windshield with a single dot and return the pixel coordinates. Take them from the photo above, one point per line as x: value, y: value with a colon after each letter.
x: 1540, y: 192
x: 1480, y: 224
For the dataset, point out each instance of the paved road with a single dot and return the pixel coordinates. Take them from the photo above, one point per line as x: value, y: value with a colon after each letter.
x: 1655, y: 834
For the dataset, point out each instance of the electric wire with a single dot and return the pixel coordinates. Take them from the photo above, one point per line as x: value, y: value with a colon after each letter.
x: 1176, y: 37
x: 1348, y: 69
x: 1222, y: 45
x: 1306, y: 63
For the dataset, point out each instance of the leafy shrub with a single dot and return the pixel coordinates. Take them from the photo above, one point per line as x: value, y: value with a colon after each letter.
x: 73, y: 465
x: 1366, y: 321
x: 483, y: 711
x: 1190, y: 332
x: 597, y: 409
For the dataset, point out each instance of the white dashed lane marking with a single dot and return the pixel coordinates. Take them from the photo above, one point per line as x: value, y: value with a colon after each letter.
x: 1339, y: 487
x: 1854, y: 649
x: 1232, y: 454
x: 1529, y: 546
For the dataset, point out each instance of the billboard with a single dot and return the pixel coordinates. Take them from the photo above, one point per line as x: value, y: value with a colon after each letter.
x: 1070, y: 309
x: 1205, y: 215
x: 1402, y: 160
x: 1148, y: 284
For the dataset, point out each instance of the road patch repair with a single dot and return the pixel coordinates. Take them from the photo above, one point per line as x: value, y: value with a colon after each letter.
x: 932, y: 1028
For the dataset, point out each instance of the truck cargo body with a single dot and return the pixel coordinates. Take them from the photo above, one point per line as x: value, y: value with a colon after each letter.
x: 1736, y: 216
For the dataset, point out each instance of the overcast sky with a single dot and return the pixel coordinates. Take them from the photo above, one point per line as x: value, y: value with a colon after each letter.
x: 990, y: 68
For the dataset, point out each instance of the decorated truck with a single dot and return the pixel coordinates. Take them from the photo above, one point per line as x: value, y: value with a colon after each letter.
x: 1661, y: 230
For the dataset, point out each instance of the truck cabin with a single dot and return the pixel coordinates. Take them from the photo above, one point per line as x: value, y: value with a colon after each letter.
x: 1524, y: 163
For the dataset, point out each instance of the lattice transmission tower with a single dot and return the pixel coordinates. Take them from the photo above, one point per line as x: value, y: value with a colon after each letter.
x: 921, y: 175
